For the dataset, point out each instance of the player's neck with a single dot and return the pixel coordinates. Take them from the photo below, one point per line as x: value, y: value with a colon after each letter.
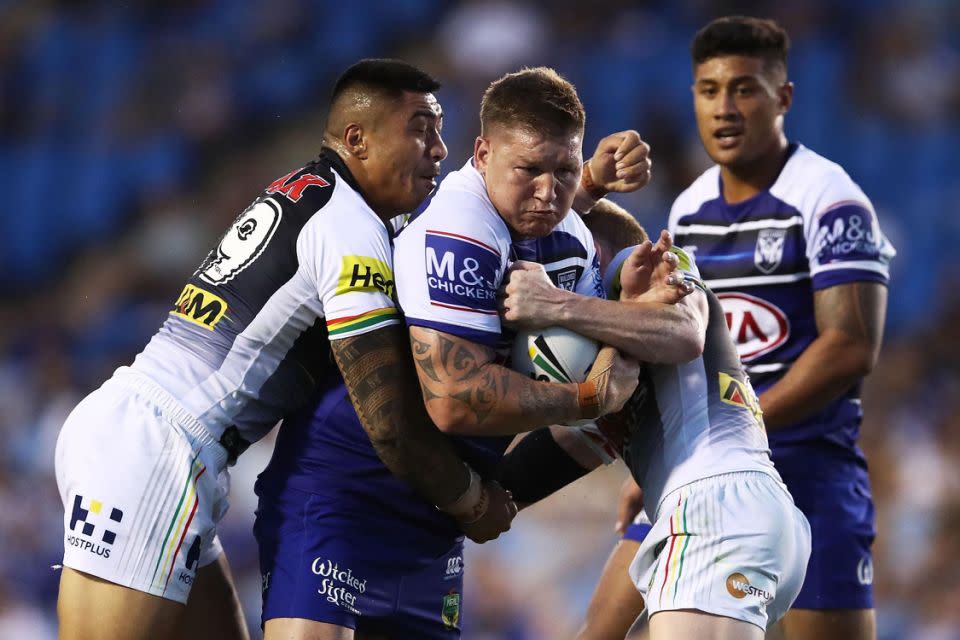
x: 368, y: 188
x: 741, y: 183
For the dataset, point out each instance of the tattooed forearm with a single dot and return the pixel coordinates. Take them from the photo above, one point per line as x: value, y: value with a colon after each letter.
x: 467, y: 392
x: 533, y: 397
x: 377, y: 373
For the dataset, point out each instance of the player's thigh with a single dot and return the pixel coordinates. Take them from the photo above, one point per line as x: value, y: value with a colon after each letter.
x: 142, y: 494
x: 686, y: 624
x: 301, y: 629
x: 213, y: 609
x: 428, y: 602
x: 829, y: 624
x: 616, y: 603
x: 90, y: 608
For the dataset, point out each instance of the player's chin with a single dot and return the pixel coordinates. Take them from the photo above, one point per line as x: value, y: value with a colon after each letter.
x: 536, y: 229
x: 417, y: 195
x: 726, y: 157
x: 539, y: 224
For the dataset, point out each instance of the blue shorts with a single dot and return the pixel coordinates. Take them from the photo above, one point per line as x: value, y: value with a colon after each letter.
x: 843, y: 526
x: 327, y: 565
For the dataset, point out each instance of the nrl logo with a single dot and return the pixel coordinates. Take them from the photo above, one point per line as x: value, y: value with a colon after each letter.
x: 450, y: 613
x: 769, y: 251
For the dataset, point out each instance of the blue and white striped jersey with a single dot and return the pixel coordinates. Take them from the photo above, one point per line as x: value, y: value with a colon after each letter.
x: 765, y: 257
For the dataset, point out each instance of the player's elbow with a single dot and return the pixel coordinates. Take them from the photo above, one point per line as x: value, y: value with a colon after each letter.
x: 857, y: 356
x: 452, y: 418
x: 865, y: 359
x: 384, y: 441
x: 687, y: 340
x: 692, y: 344
x: 690, y: 335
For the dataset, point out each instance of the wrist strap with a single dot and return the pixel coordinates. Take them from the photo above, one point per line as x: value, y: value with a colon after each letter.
x: 469, y: 501
x: 586, y: 181
x: 588, y: 397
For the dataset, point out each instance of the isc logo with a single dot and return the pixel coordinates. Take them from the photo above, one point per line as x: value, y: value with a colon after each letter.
x: 454, y: 566
x: 200, y: 307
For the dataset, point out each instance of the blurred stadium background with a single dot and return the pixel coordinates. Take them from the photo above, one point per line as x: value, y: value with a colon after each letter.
x: 132, y: 133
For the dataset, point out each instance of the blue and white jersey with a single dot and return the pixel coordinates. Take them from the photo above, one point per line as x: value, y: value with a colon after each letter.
x: 765, y: 257
x: 454, y: 257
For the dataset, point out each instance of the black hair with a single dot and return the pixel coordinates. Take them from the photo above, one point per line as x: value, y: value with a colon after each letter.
x: 741, y: 35
x: 384, y: 75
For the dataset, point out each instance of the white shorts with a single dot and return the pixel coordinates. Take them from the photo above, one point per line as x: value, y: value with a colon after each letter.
x: 733, y: 545
x: 143, y: 487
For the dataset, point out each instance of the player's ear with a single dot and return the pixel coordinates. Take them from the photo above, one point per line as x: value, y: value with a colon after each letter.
x: 785, y: 96
x: 481, y: 154
x: 354, y: 138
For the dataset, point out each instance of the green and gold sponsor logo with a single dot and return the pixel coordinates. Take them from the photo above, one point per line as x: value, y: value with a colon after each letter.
x: 450, y: 613
x: 363, y: 273
x: 200, y: 307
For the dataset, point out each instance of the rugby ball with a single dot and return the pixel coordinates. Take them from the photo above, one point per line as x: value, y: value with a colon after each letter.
x: 554, y: 354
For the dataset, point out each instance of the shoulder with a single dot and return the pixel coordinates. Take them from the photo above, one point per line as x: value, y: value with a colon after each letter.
x: 814, y: 185
x: 704, y: 189
x: 460, y: 211
x: 306, y: 189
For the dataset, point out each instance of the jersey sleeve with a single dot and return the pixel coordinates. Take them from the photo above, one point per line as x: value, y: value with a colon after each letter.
x: 351, y: 265
x: 686, y: 266
x: 844, y: 241
x: 449, y: 268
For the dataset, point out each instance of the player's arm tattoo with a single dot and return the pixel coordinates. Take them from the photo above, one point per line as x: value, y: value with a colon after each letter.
x: 378, y: 373
x: 462, y: 384
x: 856, y: 310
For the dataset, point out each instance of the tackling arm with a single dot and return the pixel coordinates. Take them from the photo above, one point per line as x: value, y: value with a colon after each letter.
x: 639, y: 323
x: 376, y: 370
x: 647, y: 331
x: 850, y: 324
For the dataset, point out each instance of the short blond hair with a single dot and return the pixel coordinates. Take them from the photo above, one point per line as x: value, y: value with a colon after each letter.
x: 538, y: 99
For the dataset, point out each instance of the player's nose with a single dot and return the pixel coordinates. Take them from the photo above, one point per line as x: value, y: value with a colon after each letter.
x: 546, y: 187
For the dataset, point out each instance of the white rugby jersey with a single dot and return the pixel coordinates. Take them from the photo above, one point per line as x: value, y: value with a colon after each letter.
x: 246, y: 342
x: 812, y: 229
x: 696, y: 419
x: 452, y: 258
